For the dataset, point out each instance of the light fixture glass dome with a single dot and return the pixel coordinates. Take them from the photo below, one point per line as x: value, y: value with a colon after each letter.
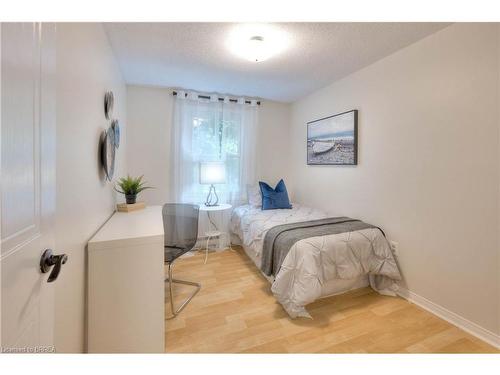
x: 257, y: 48
x: 257, y: 42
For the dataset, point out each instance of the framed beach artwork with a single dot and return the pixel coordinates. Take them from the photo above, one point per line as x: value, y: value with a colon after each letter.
x: 333, y: 140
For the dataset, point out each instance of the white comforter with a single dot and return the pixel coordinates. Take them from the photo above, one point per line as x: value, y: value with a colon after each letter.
x: 314, y: 261
x: 251, y: 223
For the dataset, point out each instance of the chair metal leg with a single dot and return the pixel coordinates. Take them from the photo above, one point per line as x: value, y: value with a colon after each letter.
x: 172, y: 309
x: 172, y: 281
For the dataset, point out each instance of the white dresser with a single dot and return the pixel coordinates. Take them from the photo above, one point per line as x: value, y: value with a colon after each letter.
x: 126, y: 284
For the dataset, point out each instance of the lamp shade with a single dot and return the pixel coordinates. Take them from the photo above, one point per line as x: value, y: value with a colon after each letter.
x: 213, y: 172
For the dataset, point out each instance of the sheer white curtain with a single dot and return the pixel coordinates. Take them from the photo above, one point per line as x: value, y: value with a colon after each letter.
x: 212, y: 130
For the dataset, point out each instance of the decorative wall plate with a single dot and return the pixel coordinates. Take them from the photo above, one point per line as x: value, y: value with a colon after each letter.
x: 108, y: 153
x: 109, y: 100
x: 116, y: 128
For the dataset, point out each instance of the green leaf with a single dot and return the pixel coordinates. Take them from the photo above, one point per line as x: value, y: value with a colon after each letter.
x: 131, y: 185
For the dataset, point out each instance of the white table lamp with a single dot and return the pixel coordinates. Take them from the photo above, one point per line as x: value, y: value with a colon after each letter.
x: 213, y: 172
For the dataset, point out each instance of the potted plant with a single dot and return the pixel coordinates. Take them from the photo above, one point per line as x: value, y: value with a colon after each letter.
x: 130, y: 187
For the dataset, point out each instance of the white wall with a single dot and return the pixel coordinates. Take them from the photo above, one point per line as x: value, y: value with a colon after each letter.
x: 428, y: 168
x: 86, y: 69
x: 150, y: 115
x: 272, y: 146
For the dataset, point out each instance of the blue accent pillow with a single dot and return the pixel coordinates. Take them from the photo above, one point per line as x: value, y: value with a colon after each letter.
x: 273, y: 199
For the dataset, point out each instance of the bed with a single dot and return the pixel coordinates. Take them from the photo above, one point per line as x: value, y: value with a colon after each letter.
x: 318, y: 266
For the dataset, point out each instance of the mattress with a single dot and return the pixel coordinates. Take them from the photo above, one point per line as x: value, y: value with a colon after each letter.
x: 251, y: 223
x: 249, y: 226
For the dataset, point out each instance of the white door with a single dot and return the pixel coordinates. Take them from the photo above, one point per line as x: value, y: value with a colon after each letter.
x: 27, y: 184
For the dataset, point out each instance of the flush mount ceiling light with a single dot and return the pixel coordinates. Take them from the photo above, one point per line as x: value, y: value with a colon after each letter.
x: 257, y: 42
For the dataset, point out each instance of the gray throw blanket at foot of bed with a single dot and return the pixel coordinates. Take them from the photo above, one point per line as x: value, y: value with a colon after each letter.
x: 306, y: 256
x: 279, y: 239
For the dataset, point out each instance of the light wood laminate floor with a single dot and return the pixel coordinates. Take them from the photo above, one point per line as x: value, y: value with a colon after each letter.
x: 235, y: 312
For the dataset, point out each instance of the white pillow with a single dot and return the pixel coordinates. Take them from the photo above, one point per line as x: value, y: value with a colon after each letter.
x: 254, y: 195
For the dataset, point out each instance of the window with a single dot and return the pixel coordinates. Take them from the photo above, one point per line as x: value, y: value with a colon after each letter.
x: 216, y: 139
x: 213, y: 131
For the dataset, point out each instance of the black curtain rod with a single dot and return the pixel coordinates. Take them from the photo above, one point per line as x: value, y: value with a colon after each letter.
x: 220, y: 99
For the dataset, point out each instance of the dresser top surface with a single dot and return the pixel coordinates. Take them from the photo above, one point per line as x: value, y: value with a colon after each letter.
x: 135, y: 225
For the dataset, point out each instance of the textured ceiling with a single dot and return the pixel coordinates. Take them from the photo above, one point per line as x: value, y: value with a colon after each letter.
x: 195, y: 55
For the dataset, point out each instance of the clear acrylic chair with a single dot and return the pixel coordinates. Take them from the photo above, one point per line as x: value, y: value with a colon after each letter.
x: 180, y: 224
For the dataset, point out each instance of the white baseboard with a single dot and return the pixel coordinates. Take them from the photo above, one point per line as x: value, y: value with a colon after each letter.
x: 451, y: 317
